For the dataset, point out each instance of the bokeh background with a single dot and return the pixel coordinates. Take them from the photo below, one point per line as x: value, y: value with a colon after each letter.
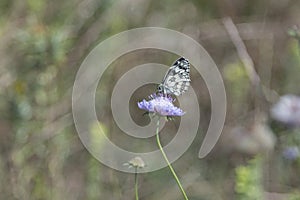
x: 42, y: 46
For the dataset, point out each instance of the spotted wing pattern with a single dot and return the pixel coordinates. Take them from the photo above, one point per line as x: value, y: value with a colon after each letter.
x: 177, y: 79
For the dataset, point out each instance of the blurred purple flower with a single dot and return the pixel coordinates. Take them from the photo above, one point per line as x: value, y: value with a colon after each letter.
x: 291, y: 153
x: 161, y: 105
x: 287, y: 110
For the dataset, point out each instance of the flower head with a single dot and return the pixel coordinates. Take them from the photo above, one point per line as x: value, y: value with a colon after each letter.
x: 291, y: 153
x: 287, y: 110
x: 136, y: 162
x: 161, y: 105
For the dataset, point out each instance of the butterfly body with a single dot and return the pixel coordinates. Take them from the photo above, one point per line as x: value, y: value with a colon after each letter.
x: 177, y: 79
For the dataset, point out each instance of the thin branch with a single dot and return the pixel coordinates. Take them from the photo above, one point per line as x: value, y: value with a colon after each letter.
x: 241, y: 50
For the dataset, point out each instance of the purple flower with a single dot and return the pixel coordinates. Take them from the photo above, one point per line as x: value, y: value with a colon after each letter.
x: 287, y: 110
x: 161, y: 105
x: 291, y: 153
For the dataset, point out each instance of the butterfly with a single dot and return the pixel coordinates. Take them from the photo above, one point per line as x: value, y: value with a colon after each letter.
x: 177, y: 79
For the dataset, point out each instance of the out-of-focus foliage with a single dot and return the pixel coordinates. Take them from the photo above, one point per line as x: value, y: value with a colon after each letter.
x: 42, y: 44
x: 249, y: 181
x: 237, y: 79
x: 295, y: 196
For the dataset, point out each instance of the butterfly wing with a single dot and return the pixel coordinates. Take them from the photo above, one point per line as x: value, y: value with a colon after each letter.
x: 177, y: 79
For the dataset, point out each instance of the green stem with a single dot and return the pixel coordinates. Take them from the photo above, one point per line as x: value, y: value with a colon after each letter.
x: 166, y: 159
x: 136, y: 185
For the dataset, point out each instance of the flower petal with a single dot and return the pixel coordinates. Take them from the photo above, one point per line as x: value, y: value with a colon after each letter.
x: 161, y: 105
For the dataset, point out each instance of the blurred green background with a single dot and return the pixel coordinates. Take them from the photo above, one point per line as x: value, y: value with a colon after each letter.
x: 42, y: 46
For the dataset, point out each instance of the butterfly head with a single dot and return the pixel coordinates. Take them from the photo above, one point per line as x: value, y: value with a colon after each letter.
x: 160, y: 89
